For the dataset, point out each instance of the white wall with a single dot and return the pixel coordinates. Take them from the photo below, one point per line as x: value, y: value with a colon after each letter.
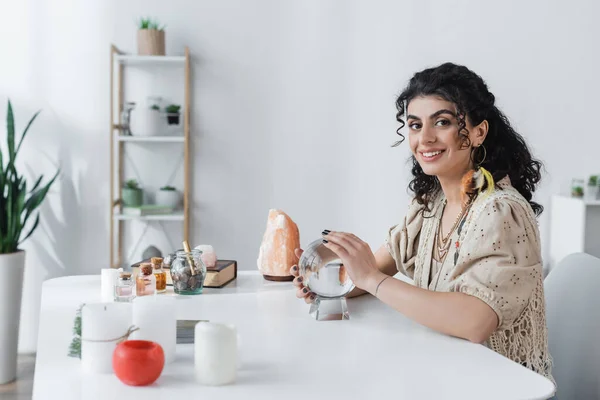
x: 293, y: 108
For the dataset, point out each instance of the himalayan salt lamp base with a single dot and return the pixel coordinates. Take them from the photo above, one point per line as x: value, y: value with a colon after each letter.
x: 279, y: 278
x: 329, y: 309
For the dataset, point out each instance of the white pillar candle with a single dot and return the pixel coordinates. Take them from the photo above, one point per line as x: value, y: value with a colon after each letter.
x: 108, y: 280
x: 156, y: 318
x: 215, y: 353
x: 101, y: 326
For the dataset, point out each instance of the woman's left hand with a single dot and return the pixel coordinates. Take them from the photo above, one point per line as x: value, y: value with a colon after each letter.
x: 356, y: 256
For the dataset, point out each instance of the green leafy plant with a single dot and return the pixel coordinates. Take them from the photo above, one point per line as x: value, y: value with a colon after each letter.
x: 155, y: 107
x: 149, y: 23
x: 131, y: 184
x: 593, y: 180
x: 17, y: 202
x: 577, y: 191
x: 169, y: 188
x: 172, y: 108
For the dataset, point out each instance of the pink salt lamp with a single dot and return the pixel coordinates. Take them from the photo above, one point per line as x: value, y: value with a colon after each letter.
x: 276, y: 255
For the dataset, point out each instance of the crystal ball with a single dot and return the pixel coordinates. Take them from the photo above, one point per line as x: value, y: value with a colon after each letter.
x: 323, y: 272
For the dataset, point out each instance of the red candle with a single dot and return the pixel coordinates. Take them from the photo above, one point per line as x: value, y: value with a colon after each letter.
x: 138, y: 362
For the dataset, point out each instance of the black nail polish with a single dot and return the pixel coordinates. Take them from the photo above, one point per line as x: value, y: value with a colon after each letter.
x: 326, y: 232
x: 312, y: 296
x: 325, y: 241
x: 305, y: 290
x: 299, y: 279
x: 295, y: 268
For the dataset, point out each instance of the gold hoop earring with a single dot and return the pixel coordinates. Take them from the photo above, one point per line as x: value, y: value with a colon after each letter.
x: 478, y: 163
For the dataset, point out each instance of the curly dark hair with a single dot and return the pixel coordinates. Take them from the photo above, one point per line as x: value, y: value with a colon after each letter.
x: 506, y: 150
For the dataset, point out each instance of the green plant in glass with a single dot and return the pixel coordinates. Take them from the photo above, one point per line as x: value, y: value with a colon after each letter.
x: 593, y: 180
x: 168, y: 188
x: 18, y: 203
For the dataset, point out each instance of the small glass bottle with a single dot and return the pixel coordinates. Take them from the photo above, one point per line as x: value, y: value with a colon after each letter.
x: 159, y: 274
x: 146, y: 281
x: 124, y: 289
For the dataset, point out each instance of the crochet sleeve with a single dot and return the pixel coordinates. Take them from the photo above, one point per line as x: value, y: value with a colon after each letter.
x: 501, y: 258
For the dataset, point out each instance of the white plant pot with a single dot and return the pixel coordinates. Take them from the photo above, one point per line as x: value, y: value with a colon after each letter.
x: 11, y: 286
x: 147, y: 122
x: 170, y: 198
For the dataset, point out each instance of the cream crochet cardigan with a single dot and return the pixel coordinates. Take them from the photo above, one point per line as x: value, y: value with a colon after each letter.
x: 497, y: 259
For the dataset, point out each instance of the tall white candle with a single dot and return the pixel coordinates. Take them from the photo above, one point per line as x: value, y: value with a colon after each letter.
x: 101, y: 325
x: 156, y: 318
x: 108, y: 280
x: 215, y: 353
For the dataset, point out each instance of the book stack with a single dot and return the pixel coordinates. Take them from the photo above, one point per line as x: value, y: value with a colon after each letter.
x: 224, y: 272
x: 186, y: 330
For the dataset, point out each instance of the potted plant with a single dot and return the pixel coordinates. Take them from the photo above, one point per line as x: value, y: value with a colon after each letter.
x: 591, y: 192
x: 18, y: 220
x: 150, y: 38
x: 577, y: 187
x: 172, y: 111
x: 168, y: 196
x: 131, y: 194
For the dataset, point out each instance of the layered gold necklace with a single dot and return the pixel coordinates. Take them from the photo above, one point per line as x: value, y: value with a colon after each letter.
x: 443, y: 243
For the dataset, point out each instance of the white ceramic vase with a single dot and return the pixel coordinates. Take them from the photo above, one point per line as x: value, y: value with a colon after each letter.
x: 169, y: 198
x: 11, y: 287
x: 147, y: 122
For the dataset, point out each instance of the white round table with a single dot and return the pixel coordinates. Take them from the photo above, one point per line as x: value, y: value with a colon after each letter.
x: 286, y: 354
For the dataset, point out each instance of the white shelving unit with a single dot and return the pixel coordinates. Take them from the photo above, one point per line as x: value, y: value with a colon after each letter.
x: 574, y: 227
x: 151, y: 139
x: 177, y: 216
x: 118, y: 141
x: 141, y: 60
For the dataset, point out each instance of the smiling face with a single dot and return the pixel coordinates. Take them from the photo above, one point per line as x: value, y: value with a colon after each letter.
x: 434, y: 139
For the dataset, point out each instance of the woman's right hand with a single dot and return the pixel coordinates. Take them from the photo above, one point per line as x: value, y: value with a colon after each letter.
x: 302, y: 292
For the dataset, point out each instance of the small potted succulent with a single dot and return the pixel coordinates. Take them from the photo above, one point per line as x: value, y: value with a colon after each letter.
x: 168, y: 196
x: 131, y: 194
x: 150, y: 38
x: 172, y: 112
x: 591, y: 191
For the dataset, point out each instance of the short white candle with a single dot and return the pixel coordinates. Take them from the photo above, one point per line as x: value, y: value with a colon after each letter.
x: 101, y: 324
x: 215, y: 353
x: 156, y: 318
x: 108, y: 280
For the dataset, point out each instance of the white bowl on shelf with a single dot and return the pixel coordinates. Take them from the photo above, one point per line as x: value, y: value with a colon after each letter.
x: 169, y: 198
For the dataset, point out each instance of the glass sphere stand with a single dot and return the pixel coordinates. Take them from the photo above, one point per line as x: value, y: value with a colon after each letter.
x: 325, y: 275
x: 329, y: 309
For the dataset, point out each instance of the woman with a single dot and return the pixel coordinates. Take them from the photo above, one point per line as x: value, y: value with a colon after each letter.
x: 469, y: 239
